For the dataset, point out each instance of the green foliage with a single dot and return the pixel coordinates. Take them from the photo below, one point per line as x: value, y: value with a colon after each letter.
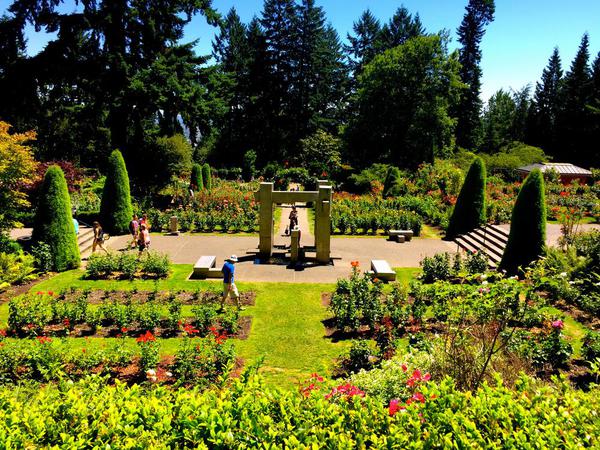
x: 249, y: 165
x: 115, y: 209
x: 249, y: 414
x: 127, y: 266
x: 15, y: 268
x: 591, y: 346
x: 392, y: 179
x: 54, y: 223
x: 206, y: 176
x: 403, y: 101
x: 470, y: 211
x: 196, y: 177
x: 361, y: 182
x: 320, y: 154
x: 513, y: 156
x: 527, y: 238
x: 167, y: 157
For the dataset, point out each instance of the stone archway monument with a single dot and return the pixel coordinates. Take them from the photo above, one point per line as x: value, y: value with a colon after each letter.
x: 322, y: 201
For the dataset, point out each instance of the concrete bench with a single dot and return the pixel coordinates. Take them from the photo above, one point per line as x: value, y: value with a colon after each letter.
x: 401, y: 235
x: 205, y: 267
x: 382, y: 270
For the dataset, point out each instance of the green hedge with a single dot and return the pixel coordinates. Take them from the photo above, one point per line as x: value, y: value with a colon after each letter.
x: 527, y: 237
x: 91, y: 413
x: 115, y: 209
x: 207, y: 176
x: 391, y: 181
x: 469, y: 212
x: 53, y: 223
x: 196, y: 178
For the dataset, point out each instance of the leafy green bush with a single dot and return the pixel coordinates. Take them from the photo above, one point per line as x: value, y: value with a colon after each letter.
x: 207, y: 176
x: 470, y: 211
x: 8, y: 245
x: 54, y: 223
x: 437, y: 267
x: 196, y: 177
x: 115, y: 209
x: 591, y: 346
x: 42, y: 254
x: 392, y: 179
x: 15, y: 268
x: 156, y: 264
x: 527, y: 237
x: 249, y: 414
x: 127, y: 265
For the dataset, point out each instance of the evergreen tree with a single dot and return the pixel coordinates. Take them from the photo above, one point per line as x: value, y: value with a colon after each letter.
x: 527, y: 237
x: 54, y: 223
x: 401, y: 27
x: 594, y: 110
x: 206, y: 176
x: 196, y: 178
x: 115, y: 208
x: 470, y: 33
x: 391, y: 181
x: 497, y: 122
x: 574, y: 118
x: 469, y: 212
x: 546, y: 105
x: 365, y: 42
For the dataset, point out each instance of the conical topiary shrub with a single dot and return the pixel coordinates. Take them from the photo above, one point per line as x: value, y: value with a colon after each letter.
x: 54, y: 223
x: 115, y: 208
x: 527, y: 237
x: 196, y: 178
x: 206, y: 176
x: 469, y: 211
x: 391, y: 181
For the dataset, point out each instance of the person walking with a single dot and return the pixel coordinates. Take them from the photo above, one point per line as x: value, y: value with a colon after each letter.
x: 143, y: 239
x: 229, y: 287
x: 134, y: 228
x: 98, y: 237
x: 293, y: 218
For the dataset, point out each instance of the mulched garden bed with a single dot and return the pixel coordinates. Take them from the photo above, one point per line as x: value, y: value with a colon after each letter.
x: 98, y: 296
x: 14, y: 291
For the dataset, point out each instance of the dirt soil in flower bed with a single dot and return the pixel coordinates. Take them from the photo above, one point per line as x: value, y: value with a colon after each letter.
x: 83, y: 330
x: 97, y: 296
x: 14, y: 291
x: 579, y: 315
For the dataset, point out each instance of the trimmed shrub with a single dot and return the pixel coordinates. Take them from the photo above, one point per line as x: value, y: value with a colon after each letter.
x: 527, y: 238
x: 53, y: 221
x: 469, y: 212
x: 391, y: 181
x: 115, y: 209
x: 207, y: 176
x: 196, y: 178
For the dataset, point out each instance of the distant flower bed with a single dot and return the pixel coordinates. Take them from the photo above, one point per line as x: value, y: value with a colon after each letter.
x: 128, y: 265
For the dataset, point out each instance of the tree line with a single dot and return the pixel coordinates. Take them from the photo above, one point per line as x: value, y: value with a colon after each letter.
x: 117, y: 75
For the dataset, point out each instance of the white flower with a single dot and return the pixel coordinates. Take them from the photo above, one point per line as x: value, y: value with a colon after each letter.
x: 151, y: 373
x: 169, y: 374
x: 483, y: 277
x: 514, y: 277
x: 571, y: 282
x: 484, y: 283
x: 563, y: 274
x: 70, y: 382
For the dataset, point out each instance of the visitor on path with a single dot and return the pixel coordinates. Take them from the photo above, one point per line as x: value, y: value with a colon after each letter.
x: 134, y: 228
x: 76, y: 226
x: 99, y: 237
x: 229, y: 287
x: 293, y: 218
x: 144, y: 221
x: 143, y: 239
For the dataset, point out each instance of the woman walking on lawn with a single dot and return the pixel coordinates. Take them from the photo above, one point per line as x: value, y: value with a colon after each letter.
x: 98, y: 237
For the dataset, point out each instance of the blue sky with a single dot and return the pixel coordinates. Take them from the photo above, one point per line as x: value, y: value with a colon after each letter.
x: 516, y: 46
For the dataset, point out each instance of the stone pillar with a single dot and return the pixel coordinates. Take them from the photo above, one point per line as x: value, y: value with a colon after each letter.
x: 174, y: 226
x: 295, y: 248
x: 323, y: 224
x: 265, y: 234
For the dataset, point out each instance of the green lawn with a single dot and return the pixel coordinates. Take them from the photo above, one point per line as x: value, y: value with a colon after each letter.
x: 286, y: 324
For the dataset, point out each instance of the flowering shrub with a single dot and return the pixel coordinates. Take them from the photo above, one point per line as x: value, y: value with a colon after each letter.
x: 148, y: 351
x: 249, y: 414
x: 127, y: 265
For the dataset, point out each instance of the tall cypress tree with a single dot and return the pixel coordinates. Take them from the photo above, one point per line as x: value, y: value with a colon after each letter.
x: 115, y: 207
x: 365, y: 42
x: 574, y: 118
x: 470, y: 33
x: 53, y: 221
x: 594, y: 109
x: 469, y: 211
x: 401, y: 27
x: 546, y: 102
x: 527, y: 237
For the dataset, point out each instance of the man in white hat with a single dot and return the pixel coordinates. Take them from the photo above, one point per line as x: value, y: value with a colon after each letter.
x: 229, y: 287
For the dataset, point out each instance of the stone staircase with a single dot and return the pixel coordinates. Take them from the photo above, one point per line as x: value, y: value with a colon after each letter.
x: 85, y: 239
x: 490, y: 239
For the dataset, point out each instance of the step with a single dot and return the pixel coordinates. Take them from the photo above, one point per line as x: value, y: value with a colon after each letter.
x: 498, y: 229
x: 489, y: 238
x: 473, y: 246
x: 485, y: 241
x: 493, y: 233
